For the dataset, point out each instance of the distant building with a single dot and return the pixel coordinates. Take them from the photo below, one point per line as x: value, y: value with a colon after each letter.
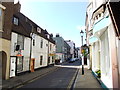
x: 72, y: 50
x: 62, y: 49
x: 67, y: 51
x: 78, y: 52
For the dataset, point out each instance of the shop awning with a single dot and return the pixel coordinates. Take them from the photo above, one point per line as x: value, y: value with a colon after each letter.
x: 93, y: 39
x: 101, y: 24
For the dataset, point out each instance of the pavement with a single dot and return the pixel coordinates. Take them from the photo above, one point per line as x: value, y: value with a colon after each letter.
x: 27, y: 77
x: 82, y: 81
x: 87, y: 80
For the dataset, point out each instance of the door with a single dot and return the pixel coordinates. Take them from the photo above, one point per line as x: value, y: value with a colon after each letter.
x: 32, y: 64
x: 12, y: 66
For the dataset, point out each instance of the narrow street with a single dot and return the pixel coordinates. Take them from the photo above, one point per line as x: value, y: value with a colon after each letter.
x: 60, y: 78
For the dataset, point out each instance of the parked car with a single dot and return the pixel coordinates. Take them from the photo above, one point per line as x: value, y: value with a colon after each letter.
x: 76, y: 59
x: 72, y: 60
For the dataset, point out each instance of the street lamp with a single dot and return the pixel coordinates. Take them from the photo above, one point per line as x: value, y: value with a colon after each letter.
x: 82, y: 33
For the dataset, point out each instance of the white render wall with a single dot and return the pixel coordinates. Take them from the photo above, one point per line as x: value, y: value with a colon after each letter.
x: 106, y: 68
x: 95, y: 57
x: 118, y: 54
x: 37, y: 51
x: 97, y: 3
x: 13, y: 43
x: 71, y: 44
x: 52, y: 51
x: 25, y: 52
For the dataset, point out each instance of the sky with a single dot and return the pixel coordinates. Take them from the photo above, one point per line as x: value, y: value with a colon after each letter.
x: 65, y: 18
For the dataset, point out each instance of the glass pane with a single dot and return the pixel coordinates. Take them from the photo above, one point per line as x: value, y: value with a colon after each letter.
x: 0, y: 12
x: 19, y: 64
x: 20, y: 41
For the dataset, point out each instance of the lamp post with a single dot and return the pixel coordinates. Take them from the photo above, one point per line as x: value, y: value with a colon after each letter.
x: 82, y: 33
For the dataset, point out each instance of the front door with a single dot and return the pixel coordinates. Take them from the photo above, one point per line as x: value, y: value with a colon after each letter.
x: 12, y: 66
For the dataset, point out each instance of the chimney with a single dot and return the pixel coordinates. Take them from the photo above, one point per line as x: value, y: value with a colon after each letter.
x: 17, y: 7
x: 57, y: 35
x: 51, y: 35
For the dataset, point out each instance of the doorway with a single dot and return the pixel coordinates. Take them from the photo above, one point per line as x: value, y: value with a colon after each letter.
x: 3, y: 60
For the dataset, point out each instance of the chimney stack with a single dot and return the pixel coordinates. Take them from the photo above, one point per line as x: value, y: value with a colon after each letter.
x: 17, y: 7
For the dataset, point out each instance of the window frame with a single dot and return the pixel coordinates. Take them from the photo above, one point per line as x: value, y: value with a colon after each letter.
x: 15, y: 21
x: 19, y: 42
x: 41, y: 59
x: 41, y: 43
x: 2, y: 17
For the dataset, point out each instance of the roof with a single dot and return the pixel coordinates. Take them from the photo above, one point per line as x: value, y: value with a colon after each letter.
x: 26, y: 26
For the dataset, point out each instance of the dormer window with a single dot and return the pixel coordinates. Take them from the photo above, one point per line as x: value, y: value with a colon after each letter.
x: 15, y: 21
x: 38, y: 30
x: 48, y: 36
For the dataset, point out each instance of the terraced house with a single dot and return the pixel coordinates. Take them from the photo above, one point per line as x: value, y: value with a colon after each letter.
x: 103, y: 38
x: 31, y: 46
x: 6, y: 15
x: 25, y: 45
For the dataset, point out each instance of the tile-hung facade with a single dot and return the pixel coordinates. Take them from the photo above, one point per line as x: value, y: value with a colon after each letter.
x: 31, y: 46
x: 6, y: 13
x: 102, y: 38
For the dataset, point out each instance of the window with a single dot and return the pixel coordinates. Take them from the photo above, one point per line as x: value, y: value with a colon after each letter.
x: 41, y: 43
x: 41, y: 58
x: 15, y: 21
x: 48, y: 36
x: 38, y: 30
x: 52, y: 59
x: 0, y: 11
x: 19, y: 64
x: 33, y: 42
x: 20, y: 41
x: 48, y: 60
x: 1, y: 18
x: 50, y: 46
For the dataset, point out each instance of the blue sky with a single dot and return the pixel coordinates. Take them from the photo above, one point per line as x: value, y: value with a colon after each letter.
x: 64, y: 18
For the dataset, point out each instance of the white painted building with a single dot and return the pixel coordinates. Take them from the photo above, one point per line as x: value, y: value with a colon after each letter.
x: 23, y: 60
x: 31, y: 46
x: 72, y: 45
x: 103, y: 41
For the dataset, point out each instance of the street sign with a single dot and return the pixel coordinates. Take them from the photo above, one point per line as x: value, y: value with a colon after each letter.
x: 51, y: 54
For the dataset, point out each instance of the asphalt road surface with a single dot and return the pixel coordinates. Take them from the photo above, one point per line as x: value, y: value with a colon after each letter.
x: 63, y: 77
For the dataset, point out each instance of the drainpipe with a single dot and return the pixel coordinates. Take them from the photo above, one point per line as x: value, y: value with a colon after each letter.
x: 48, y: 54
x: 30, y: 46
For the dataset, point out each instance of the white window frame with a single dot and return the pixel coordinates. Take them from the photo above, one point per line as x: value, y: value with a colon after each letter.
x: 2, y: 8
